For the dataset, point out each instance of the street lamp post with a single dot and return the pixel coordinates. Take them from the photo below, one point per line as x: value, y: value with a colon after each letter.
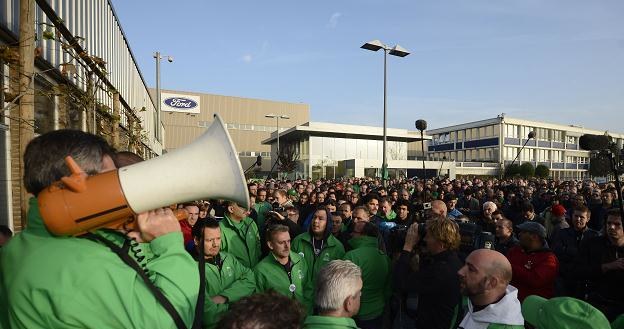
x: 158, y: 57
x: 399, y: 51
x: 277, y: 118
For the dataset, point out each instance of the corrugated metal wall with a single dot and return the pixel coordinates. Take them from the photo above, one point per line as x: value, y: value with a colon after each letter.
x: 95, y: 21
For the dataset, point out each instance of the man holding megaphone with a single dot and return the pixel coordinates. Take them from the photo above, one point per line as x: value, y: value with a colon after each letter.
x: 49, y: 281
x: 70, y: 267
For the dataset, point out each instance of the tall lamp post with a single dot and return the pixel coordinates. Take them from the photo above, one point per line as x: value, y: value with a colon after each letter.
x: 421, y: 125
x: 158, y: 57
x: 399, y: 51
x: 277, y: 117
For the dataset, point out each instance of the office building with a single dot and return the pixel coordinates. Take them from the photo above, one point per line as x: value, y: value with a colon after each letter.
x: 483, y: 148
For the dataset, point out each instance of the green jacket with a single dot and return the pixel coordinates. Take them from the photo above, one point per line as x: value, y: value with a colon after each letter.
x: 241, y: 240
x: 270, y: 274
x: 69, y: 282
x: 376, y: 277
x: 328, y: 322
x: 332, y: 249
x: 229, y: 278
x: 261, y: 209
x: 391, y: 216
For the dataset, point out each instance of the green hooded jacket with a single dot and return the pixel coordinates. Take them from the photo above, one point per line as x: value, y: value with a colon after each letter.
x: 328, y: 322
x: 241, y: 240
x: 230, y: 279
x: 375, y: 266
x: 67, y: 282
x: 270, y: 274
x: 332, y: 249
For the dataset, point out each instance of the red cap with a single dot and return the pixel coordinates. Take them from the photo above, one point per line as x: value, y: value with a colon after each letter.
x: 558, y: 210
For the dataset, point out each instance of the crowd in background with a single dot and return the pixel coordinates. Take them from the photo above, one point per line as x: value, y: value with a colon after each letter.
x: 561, y: 238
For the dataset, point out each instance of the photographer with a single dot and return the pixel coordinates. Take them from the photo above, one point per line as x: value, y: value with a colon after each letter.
x: 48, y: 281
x: 436, y: 281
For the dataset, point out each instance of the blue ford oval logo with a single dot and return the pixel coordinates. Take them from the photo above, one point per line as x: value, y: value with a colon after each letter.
x: 180, y: 103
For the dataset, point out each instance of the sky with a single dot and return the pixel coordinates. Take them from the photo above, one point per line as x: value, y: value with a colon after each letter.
x: 559, y: 61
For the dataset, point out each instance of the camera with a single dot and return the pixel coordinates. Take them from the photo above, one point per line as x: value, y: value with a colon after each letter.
x: 277, y: 208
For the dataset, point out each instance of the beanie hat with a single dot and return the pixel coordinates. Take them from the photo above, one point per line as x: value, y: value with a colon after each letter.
x: 558, y: 210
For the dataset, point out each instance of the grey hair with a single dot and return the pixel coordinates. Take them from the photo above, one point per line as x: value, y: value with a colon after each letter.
x: 489, y: 203
x: 44, y: 158
x: 335, y: 282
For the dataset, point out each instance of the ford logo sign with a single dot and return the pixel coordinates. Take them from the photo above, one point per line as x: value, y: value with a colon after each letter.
x: 180, y: 103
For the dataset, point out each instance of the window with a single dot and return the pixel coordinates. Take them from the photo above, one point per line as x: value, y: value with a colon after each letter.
x: 468, y: 134
x: 489, y: 131
x: 460, y: 135
x: 482, y: 132
x: 557, y: 135
x: 570, y: 139
x: 557, y: 156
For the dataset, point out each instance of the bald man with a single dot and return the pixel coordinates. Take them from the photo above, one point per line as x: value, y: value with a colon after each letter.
x: 438, y: 207
x: 492, y: 302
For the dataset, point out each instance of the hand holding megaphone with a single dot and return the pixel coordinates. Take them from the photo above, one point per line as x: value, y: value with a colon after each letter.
x: 155, y: 223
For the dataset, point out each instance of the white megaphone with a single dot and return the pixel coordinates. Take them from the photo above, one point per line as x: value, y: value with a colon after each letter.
x: 208, y: 168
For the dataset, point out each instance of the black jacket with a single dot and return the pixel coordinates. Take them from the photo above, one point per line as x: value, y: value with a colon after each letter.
x: 606, y: 290
x: 436, y: 284
x: 565, y: 243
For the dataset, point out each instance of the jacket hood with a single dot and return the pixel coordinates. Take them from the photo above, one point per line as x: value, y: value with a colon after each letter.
x: 506, y: 311
x: 328, y: 227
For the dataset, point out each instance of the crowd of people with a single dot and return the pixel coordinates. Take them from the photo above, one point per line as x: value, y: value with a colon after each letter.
x: 343, y: 253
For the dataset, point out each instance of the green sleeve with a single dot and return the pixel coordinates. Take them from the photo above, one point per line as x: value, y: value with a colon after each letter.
x: 340, y: 250
x: 212, y: 313
x: 260, y: 279
x: 243, y: 285
x: 175, y: 273
x: 308, y: 293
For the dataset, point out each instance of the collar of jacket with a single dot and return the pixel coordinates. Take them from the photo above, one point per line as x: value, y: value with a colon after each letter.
x: 363, y: 241
x: 329, y: 322
x: 229, y: 221
x: 330, y: 240
x: 293, y: 257
x: 35, y: 222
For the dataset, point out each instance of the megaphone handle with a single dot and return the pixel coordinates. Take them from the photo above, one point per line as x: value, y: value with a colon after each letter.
x: 77, y: 181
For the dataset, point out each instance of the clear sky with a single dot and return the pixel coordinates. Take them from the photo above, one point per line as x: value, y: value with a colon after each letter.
x: 558, y: 61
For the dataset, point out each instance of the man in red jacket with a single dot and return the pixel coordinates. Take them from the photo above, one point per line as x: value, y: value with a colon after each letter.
x: 534, y: 265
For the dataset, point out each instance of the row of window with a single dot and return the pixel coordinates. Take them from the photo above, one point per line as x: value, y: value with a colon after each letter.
x: 466, y: 135
x: 491, y: 154
x: 482, y: 154
x: 546, y: 134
